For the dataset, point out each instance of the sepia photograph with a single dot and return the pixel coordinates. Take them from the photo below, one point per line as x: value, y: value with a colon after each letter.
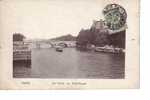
x: 69, y: 44
x: 69, y: 40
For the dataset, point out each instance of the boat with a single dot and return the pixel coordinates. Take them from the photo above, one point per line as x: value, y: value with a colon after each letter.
x: 108, y: 49
x: 59, y: 49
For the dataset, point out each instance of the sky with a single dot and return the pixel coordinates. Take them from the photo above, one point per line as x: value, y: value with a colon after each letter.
x: 52, y: 18
x: 46, y: 19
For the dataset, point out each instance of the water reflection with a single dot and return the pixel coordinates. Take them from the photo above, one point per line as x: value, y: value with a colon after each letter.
x: 72, y: 63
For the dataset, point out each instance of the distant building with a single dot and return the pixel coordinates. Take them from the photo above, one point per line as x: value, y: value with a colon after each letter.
x: 99, y: 26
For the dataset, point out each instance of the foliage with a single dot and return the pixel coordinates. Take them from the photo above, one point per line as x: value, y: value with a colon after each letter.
x: 92, y: 37
x: 100, y: 38
x: 84, y: 37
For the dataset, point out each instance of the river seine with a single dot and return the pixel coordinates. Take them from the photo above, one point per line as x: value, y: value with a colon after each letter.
x: 72, y: 63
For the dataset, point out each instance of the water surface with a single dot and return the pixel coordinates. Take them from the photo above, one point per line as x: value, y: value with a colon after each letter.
x: 72, y: 63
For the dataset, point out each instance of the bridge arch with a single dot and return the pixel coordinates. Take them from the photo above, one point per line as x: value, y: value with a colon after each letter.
x: 63, y: 44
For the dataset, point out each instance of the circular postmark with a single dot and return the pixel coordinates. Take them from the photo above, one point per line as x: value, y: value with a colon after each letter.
x: 115, y: 16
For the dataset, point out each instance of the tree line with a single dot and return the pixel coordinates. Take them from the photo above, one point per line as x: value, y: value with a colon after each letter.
x: 100, y: 38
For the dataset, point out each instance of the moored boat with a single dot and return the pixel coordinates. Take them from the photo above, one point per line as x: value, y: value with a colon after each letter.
x: 59, y: 49
x: 109, y: 49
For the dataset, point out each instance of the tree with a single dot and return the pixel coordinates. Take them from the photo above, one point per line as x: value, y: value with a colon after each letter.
x: 18, y: 37
x: 118, y: 39
x: 101, y: 39
x: 93, y: 36
x: 84, y: 37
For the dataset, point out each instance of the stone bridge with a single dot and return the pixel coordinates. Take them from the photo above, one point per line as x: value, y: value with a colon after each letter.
x: 49, y: 44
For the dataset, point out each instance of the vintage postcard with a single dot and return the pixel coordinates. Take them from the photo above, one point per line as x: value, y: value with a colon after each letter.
x: 69, y: 44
